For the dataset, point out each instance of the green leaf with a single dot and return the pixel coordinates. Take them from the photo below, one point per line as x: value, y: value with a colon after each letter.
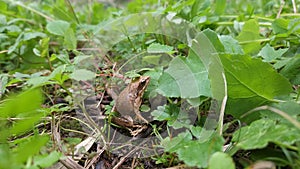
x: 263, y: 131
x: 16, y: 44
x: 61, y: 13
x: 6, y: 160
x: 3, y: 83
x: 231, y: 45
x: 39, y: 81
x: 70, y: 40
x: 11, y: 29
x: 78, y: 60
x: 198, y: 153
x: 159, y: 48
x: 292, y: 70
x: 207, y: 46
x: 64, y: 58
x: 220, y: 7
x: 26, y: 102
x: 47, y: 160
x: 185, y: 78
x: 249, y: 36
x: 45, y: 47
x: 251, y: 82
x: 27, y: 123
x: 23, y: 106
x: 82, y: 74
x: 269, y: 54
x: 32, y: 35
x: 201, y: 133
x: 291, y: 108
x: 2, y: 17
x: 294, y: 26
x: 160, y: 114
x: 58, y: 27
x: 280, y: 25
x: 220, y: 160
x: 172, y: 145
x: 193, y: 152
x: 152, y: 59
x: 30, y: 148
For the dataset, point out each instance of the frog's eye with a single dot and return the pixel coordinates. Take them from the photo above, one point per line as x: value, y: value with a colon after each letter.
x: 143, y: 82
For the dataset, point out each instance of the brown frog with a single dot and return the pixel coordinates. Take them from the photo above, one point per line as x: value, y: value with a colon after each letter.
x: 129, y: 100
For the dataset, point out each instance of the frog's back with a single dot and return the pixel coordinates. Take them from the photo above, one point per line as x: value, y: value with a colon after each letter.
x: 124, y: 104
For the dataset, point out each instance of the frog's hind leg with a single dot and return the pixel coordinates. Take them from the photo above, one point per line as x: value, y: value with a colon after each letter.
x: 140, y: 117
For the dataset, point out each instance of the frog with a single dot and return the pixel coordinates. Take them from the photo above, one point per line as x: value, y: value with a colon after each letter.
x: 129, y: 101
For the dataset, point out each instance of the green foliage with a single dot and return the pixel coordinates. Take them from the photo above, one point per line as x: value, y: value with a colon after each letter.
x: 269, y: 54
x: 255, y: 46
x: 193, y: 152
x: 261, y: 132
x: 182, y: 75
x: 253, y: 81
x: 220, y: 160
x: 158, y: 48
x: 18, y: 115
x: 291, y: 70
x: 249, y: 37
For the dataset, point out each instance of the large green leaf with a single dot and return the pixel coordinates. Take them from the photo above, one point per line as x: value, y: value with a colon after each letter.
x: 251, y: 83
x: 263, y: 131
x: 185, y: 78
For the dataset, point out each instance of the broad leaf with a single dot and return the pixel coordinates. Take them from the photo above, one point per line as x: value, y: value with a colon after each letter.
x: 251, y: 83
x: 263, y: 131
x: 185, y: 78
